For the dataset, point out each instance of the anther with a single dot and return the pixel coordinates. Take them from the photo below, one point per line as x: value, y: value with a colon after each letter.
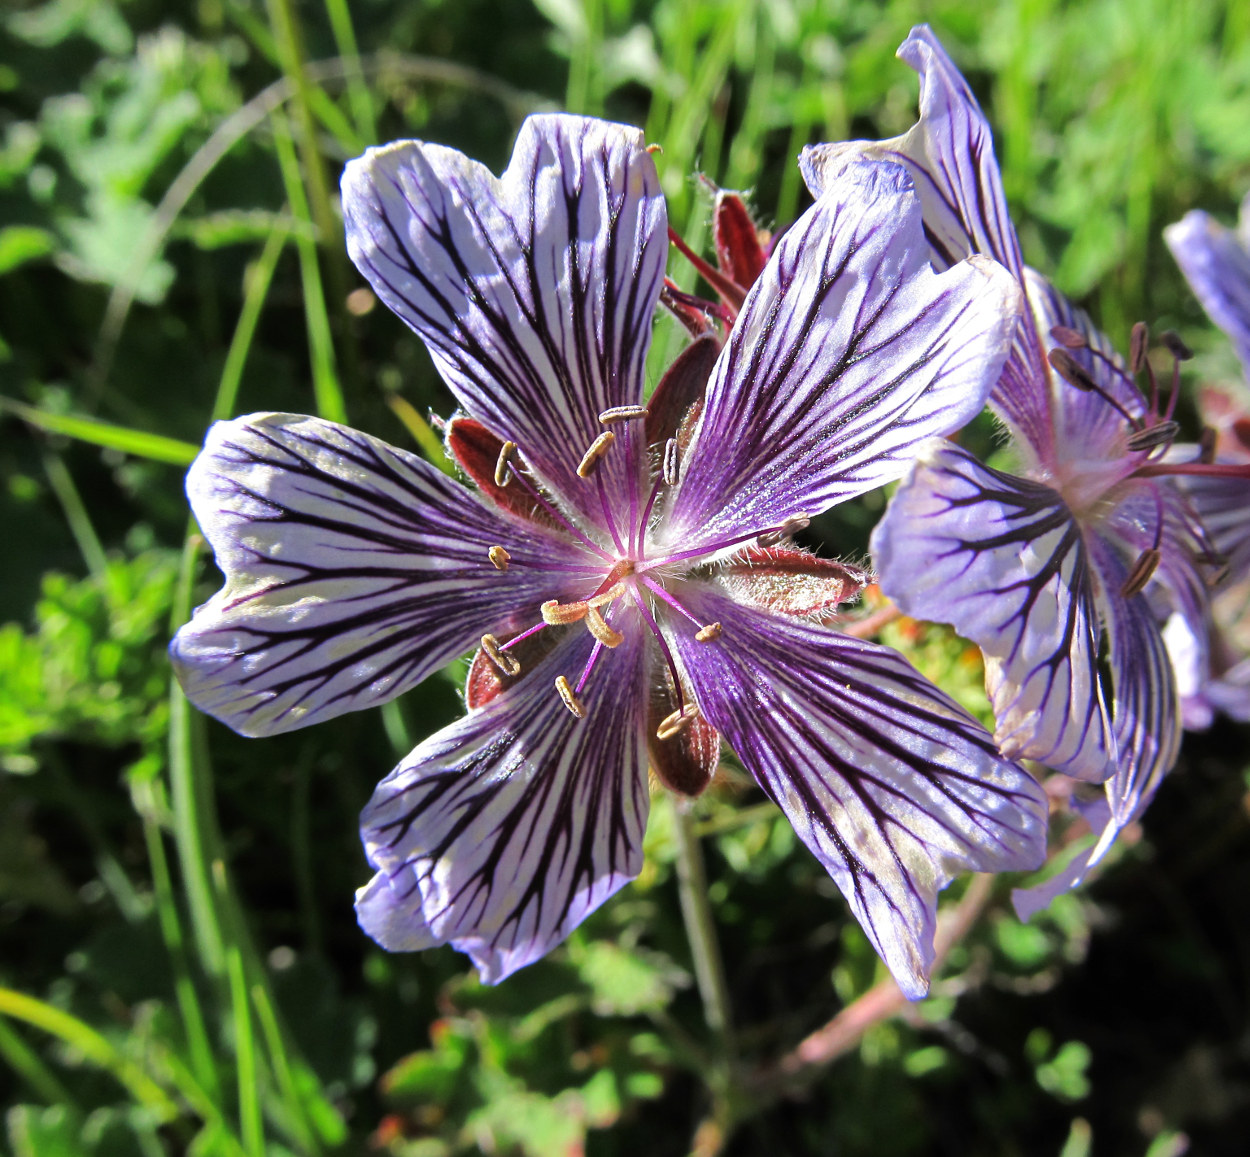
x: 557, y: 614
x: 571, y: 701
x: 1145, y: 566
x: 1067, y: 336
x: 598, y: 448
x: 1153, y: 436
x: 1138, y: 344
x: 1072, y: 372
x: 708, y: 633
x: 499, y: 557
x: 622, y: 414
x: 598, y: 626
x: 1206, y: 445
x: 506, y: 452
x: 672, y: 462
x: 1176, y: 345
x: 677, y: 722
x: 505, y: 663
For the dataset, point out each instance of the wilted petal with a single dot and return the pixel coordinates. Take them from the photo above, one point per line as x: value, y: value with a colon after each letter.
x: 1216, y: 263
x: 1146, y: 711
x: 949, y: 154
x: 1029, y: 901
x: 848, y: 354
x: 534, y: 292
x: 1003, y: 561
x: 353, y: 569
x: 892, y: 785
x: 502, y: 832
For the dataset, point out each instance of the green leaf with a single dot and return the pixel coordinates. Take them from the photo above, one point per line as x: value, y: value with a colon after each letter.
x: 22, y: 243
x: 155, y: 447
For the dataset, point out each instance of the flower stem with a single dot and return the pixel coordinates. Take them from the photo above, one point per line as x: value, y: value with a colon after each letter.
x: 709, y: 970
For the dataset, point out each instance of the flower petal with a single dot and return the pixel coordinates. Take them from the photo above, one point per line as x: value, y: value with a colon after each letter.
x: 848, y: 354
x: 1147, y: 712
x: 1216, y: 263
x: 1003, y: 561
x: 891, y: 784
x: 949, y: 154
x: 534, y: 292
x: 502, y: 832
x: 353, y: 570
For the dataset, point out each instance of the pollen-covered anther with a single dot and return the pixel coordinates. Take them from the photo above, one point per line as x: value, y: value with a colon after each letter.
x: 557, y: 614
x: 708, y: 633
x: 598, y: 626
x: 571, y: 701
x: 1157, y: 435
x: 610, y: 595
x: 622, y: 414
x: 499, y: 557
x: 1145, y: 566
x: 506, y: 451
x: 598, y: 448
x: 504, y: 663
x: 677, y: 722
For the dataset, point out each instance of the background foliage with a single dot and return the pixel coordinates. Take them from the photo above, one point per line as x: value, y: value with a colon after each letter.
x: 180, y: 970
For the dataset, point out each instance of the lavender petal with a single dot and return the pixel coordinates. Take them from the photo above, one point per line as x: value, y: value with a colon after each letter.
x: 949, y: 154
x: 848, y: 354
x: 1003, y: 561
x: 353, y: 570
x: 502, y: 832
x: 891, y: 784
x: 1216, y: 263
x: 534, y: 292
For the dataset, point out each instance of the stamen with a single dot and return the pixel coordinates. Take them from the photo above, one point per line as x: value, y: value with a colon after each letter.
x: 1153, y: 436
x: 1072, y: 372
x: 604, y: 597
x: 709, y: 633
x: 677, y: 722
x: 571, y: 701
x: 1068, y: 337
x: 622, y: 414
x: 506, y: 451
x: 1206, y: 446
x: 1145, y: 566
x: 672, y: 462
x: 790, y: 527
x: 598, y: 448
x: 1077, y: 376
x: 499, y: 557
x: 1138, y: 345
x: 506, y: 664
x: 1175, y: 345
x: 597, y: 625
x: 557, y: 614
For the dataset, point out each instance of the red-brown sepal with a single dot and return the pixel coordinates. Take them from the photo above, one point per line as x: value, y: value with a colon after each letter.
x: 685, y: 761
x: 790, y: 581
x: 486, y: 680
x: 740, y: 247
x: 476, y: 451
x: 680, y: 388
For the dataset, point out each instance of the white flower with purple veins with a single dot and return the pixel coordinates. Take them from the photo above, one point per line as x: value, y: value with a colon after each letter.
x: 624, y: 565
x: 1216, y: 263
x: 1063, y: 571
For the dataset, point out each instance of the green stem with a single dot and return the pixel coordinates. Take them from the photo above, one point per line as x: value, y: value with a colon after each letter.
x: 696, y: 913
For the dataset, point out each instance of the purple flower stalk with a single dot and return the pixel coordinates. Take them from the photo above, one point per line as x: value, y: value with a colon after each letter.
x: 625, y: 566
x: 1063, y: 570
x: 1216, y: 263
